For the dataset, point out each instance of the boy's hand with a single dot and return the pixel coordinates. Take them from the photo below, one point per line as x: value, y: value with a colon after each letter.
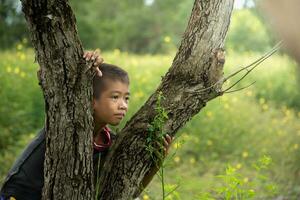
x: 167, y: 141
x: 95, y: 57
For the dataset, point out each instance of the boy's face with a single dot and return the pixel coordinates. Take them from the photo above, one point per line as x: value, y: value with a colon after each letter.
x: 111, y: 106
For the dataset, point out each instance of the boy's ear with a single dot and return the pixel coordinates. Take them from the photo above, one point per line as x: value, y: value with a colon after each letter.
x: 94, y: 103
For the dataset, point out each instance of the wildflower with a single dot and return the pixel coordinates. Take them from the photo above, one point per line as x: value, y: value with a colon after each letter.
x: 192, y: 160
x: 249, y: 93
x: 139, y: 94
x: 262, y: 101
x: 19, y: 47
x: 209, y: 142
x: 239, y: 166
x: 167, y: 39
x: 287, y: 112
x: 226, y: 106
x: 17, y: 70
x: 265, y: 107
x: 296, y: 146
x: 209, y: 114
x: 177, y: 145
x: 117, y: 51
x: 177, y: 159
x: 145, y: 197
x: 22, y: 74
x: 22, y: 56
x: 245, y: 154
x: 8, y: 69
x: 24, y: 40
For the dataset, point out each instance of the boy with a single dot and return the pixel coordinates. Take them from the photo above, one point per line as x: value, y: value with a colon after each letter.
x: 110, y: 103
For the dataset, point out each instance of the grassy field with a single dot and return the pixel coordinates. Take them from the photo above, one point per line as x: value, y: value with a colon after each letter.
x: 244, y: 144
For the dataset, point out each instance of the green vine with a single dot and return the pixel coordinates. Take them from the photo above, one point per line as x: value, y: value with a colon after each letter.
x: 155, y: 140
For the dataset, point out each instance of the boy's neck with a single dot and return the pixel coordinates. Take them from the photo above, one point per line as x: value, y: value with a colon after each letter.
x: 98, y: 126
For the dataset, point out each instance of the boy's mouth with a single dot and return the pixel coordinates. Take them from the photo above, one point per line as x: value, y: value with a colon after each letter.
x: 120, y: 115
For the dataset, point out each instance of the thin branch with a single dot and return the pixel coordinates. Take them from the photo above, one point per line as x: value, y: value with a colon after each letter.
x: 239, y: 88
x: 249, y: 70
x: 255, y: 63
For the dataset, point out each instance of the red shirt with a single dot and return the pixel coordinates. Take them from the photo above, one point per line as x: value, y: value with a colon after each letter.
x: 99, y: 145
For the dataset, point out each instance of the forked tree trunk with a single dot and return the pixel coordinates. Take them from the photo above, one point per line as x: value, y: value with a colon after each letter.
x: 67, y: 91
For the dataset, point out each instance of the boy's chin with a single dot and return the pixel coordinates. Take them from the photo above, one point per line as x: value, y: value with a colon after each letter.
x: 114, y: 123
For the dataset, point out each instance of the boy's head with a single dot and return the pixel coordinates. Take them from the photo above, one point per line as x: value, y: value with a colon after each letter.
x: 111, y: 95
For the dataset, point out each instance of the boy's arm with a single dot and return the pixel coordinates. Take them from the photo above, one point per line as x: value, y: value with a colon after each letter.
x: 149, y: 176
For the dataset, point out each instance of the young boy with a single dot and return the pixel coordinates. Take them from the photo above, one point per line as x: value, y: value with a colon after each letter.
x: 110, y: 102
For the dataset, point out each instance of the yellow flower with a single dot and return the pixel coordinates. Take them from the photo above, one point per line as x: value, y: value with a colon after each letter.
x: 209, y: 142
x: 22, y: 74
x: 226, y: 106
x: 117, y: 51
x: 177, y: 159
x: 251, y: 190
x: 145, y: 197
x: 22, y: 56
x: 19, y: 46
x: 192, y: 160
x: 8, y: 69
x: 265, y: 107
x: 139, y: 94
x: 177, y: 145
x: 245, y: 154
x: 24, y: 41
x: 167, y: 39
x: 234, y: 99
x: 185, y: 136
x: 262, y: 100
x: 209, y: 114
x: 17, y: 70
x: 239, y: 166
x: 249, y: 93
x: 288, y: 112
x: 296, y: 146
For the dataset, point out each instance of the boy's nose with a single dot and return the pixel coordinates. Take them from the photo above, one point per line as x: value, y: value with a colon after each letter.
x: 123, y: 105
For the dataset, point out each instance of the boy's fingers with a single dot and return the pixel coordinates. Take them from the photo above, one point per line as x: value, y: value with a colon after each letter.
x: 95, y: 54
x: 168, y: 138
x: 99, y: 73
x: 98, y: 61
x: 166, y: 144
x: 89, y: 56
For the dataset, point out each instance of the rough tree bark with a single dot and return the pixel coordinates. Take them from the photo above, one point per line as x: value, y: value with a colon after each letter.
x: 67, y: 91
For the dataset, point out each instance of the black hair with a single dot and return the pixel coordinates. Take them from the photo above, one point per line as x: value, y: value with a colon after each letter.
x: 109, y: 72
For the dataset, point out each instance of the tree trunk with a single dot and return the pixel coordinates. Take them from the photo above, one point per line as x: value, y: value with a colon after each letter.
x: 197, y: 65
x: 68, y: 93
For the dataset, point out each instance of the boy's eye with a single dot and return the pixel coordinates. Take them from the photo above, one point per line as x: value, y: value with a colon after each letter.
x: 115, y: 97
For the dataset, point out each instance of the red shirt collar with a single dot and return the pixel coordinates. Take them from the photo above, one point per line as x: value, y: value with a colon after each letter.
x: 103, y: 146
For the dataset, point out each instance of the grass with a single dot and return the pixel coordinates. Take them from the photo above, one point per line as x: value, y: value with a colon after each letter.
x: 235, y: 129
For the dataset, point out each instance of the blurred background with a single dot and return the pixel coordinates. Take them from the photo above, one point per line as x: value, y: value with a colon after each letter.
x: 243, y: 145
